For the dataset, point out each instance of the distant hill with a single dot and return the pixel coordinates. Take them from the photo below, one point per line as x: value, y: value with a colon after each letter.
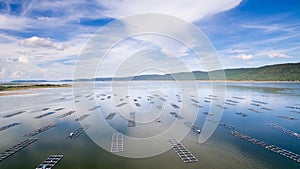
x: 279, y: 72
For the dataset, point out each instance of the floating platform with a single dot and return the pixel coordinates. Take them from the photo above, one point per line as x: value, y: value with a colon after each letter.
x: 40, y: 130
x: 241, y: 114
x: 131, y: 121
x: 226, y: 126
x: 194, y: 128
x: 254, y: 110
x: 278, y: 150
x: 117, y: 142
x: 265, y: 108
x: 231, y: 104
x: 182, y: 152
x: 50, y: 162
x: 287, y: 117
x: 255, y: 104
x: 59, y: 109
x: 284, y: 130
x: 44, y: 115
x: 159, y: 107
x: 194, y: 100
x: 82, y: 117
x: 197, y: 105
x: 110, y: 116
x: 14, y: 114
x: 162, y: 99
x: 175, y: 106
x: 66, y: 114
x: 208, y: 113
x: 232, y: 101
x: 240, y: 98
x: 207, y: 101
x: 78, y: 132
x: 16, y: 148
x: 9, y: 126
x: 260, y: 102
x: 94, y: 108
x: 121, y: 104
x: 179, y: 117
x: 293, y: 107
x: 210, y: 98
x: 137, y: 104
x: 221, y: 106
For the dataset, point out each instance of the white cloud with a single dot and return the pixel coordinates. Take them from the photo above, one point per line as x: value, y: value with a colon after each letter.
x: 244, y: 56
x: 278, y: 55
x: 189, y: 10
x: 12, y: 22
x: 37, y: 42
x: 23, y: 59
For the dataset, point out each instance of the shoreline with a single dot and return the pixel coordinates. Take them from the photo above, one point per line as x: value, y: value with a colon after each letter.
x: 10, y: 88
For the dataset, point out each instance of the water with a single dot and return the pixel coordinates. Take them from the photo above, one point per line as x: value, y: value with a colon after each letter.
x: 220, y: 151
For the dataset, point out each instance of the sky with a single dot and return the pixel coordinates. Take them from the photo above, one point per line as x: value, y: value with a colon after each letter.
x: 44, y: 39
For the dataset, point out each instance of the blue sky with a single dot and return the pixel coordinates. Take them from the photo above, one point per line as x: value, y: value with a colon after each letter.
x: 42, y: 39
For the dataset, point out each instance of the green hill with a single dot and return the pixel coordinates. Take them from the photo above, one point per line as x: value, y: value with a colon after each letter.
x: 281, y: 72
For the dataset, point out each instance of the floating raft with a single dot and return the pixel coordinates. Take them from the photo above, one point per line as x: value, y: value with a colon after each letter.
x: 231, y: 104
x: 260, y: 102
x: 159, y: 107
x: 110, y: 116
x: 44, y: 115
x: 284, y: 130
x: 117, y: 142
x: 137, y: 104
x: 82, y: 117
x: 265, y: 108
x: 131, y: 121
x: 232, y: 101
x: 197, y: 105
x: 66, y: 114
x: 13, y: 114
x: 121, y: 104
x: 254, y: 110
x: 287, y: 117
x: 293, y: 107
x: 174, y: 105
x: 94, y: 108
x: 226, y: 126
x: 182, y: 152
x: 208, y: 113
x: 16, y: 148
x: 194, y: 128
x: 236, y: 97
x: 194, y: 100
x: 78, y: 132
x: 179, y: 117
x: 50, y: 162
x: 221, y: 106
x: 59, y: 109
x: 40, y: 130
x: 162, y: 99
x: 9, y: 126
x: 278, y: 150
x: 241, y: 114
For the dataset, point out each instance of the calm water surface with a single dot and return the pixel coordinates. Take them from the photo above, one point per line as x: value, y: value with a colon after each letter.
x: 220, y: 151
